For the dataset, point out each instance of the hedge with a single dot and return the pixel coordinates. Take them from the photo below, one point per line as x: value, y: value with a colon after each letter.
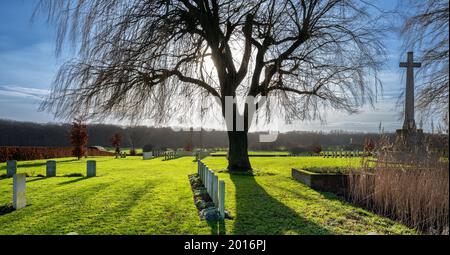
x: 20, y: 153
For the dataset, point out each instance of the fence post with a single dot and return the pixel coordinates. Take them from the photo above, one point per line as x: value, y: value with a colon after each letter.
x: 221, y: 199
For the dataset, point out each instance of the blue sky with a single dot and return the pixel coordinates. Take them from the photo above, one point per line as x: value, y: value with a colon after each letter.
x: 28, y: 65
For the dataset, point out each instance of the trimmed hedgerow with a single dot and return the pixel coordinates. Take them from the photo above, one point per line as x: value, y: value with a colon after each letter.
x: 33, y: 153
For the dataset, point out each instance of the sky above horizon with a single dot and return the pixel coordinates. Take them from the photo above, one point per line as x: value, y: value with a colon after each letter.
x: 28, y: 64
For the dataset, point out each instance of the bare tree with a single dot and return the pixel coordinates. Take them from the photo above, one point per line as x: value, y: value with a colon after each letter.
x: 427, y: 30
x: 136, y: 134
x: 156, y: 59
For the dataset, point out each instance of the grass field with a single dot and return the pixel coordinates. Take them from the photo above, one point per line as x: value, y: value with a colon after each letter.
x: 133, y: 196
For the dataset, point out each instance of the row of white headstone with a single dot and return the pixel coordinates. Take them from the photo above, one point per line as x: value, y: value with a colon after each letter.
x: 199, y: 155
x: 19, y: 180
x: 171, y: 155
x: 166, y: 154
x: 152, y: 154
x: 214, y: 187
x: 341, y: 154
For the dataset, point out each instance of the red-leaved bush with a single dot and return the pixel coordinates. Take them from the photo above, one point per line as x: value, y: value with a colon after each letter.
x: 78, y: 138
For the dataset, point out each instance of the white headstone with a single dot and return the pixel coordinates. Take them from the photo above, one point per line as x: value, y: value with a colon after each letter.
x: 203, y: 174
x: 51, y: 168
x: 147, y: 155
x: 221, y: 195
x: 19, y: 186
x: 91, y: 168
x: 215, y: 189
x: 201, y: 171
x: 11, y: 168
x: 206, y: 179
x: 211, y: 178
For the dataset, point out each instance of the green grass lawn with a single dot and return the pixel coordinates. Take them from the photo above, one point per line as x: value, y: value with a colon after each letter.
x: 133, y: 196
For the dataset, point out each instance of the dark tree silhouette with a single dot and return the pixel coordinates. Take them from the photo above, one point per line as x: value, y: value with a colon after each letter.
x: 78, y: 138
x: 427, y: 31
x: 159, y: 59
x: 116, y: 141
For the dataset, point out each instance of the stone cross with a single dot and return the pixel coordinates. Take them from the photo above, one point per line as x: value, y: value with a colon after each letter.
x: 409, y: 100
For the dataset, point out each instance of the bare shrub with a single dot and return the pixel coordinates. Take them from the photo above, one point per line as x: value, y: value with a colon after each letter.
x: 412, y: 189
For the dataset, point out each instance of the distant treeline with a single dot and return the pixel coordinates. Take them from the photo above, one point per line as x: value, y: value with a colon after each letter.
x: 14, y: 133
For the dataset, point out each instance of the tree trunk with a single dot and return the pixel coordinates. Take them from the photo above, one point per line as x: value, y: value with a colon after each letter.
x: 237, y: 151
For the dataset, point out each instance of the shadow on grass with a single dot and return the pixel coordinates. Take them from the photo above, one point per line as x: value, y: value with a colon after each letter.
x: 217, y: 227
x: 8, y: 208
x: 37, y: 179
x: 124, y: 208
x: 259, y: 213
x: 41, y: 178
x: 74, y: 180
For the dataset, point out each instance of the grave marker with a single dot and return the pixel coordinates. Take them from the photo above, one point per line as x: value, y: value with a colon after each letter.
x: 19, y: 186
x: 11, y: 168
x: 203, y: 173
x: 206, y: 179
x: 91, y: 168
x: 51, y: 168
x: 210, y: 177
x: 221, y: 195
x: 147, y: 155
x: 215, y: 183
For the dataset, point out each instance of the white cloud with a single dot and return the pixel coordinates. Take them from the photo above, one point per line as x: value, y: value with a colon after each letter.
x: 23, y: 92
